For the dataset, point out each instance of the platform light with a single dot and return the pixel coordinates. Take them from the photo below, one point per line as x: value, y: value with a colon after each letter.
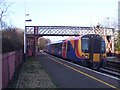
x: 29, y: 20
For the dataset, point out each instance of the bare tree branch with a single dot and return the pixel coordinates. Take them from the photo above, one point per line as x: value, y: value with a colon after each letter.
x: 3, y: 11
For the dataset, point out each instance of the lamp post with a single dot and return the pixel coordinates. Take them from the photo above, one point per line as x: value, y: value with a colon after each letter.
x: 108, y: 22
x: 29, y: 20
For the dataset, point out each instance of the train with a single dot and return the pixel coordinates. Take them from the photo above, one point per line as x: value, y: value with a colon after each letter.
x: 87, y: 50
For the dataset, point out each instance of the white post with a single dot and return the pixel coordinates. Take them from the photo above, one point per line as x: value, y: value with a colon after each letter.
x: 25, y: 34
x: 25, y: 43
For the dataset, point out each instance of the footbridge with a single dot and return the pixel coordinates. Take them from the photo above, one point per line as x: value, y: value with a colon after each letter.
x: 34, y: 32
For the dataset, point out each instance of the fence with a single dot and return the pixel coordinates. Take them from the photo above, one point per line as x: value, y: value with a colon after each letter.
x: 10, y: 62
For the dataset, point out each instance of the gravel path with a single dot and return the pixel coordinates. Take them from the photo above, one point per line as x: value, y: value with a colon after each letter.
x: 33, y: 76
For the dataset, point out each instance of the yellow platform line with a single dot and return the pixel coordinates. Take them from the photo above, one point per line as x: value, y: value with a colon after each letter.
x: 87, y: 75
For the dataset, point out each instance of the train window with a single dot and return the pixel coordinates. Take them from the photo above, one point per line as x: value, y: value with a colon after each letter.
x: 75, y: 44
x: 64, y: 46
x: 68, y: 47
x: 85, y: 45
x: 103, y: 47
x: 96, y: 45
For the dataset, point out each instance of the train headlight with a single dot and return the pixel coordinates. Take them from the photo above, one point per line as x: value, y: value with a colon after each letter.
x: 86, y: 56
x: 103, y: 56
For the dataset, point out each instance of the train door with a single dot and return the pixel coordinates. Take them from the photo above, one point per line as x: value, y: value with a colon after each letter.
x: 95, y: 49
x: 52, y: 49
x: 64, y: 49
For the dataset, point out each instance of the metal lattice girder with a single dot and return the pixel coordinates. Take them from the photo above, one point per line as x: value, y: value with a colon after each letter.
x: 67, y: 30
x: 29, y: 30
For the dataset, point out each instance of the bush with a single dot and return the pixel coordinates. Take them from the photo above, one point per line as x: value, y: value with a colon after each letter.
x: 117, y: 44
x: 12, y: 40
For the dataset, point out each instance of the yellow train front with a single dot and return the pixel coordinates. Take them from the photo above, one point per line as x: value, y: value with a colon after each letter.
x: 88, y: 50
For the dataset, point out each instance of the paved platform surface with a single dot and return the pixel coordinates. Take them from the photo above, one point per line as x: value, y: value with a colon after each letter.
x: 113, y: 59
x: 32, y: 75
x: 67, y: 75
x: 52, y: 72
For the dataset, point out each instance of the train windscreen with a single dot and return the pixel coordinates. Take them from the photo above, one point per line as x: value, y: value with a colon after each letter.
x: 85, y: 45
x: 96, y: 45
x: 103, y: 49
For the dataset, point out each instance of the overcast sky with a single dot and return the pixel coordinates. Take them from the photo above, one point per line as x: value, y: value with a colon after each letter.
x: 62, y: 12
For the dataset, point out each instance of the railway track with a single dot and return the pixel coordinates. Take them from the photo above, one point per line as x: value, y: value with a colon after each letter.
x: 110, y: 72
x: 113, y: 64
x: 112, y: 68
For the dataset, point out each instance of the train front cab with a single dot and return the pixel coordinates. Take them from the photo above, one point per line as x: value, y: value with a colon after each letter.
x: 93, y: 46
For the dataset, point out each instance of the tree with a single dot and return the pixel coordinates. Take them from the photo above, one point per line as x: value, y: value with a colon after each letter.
x: 114, y: 23
x: 111, y: 22
x: 3, y: 12
x: 117, y: 44
x: 42, y: 41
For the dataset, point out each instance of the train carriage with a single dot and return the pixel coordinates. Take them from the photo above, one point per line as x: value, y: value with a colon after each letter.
x: 88, y: 50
